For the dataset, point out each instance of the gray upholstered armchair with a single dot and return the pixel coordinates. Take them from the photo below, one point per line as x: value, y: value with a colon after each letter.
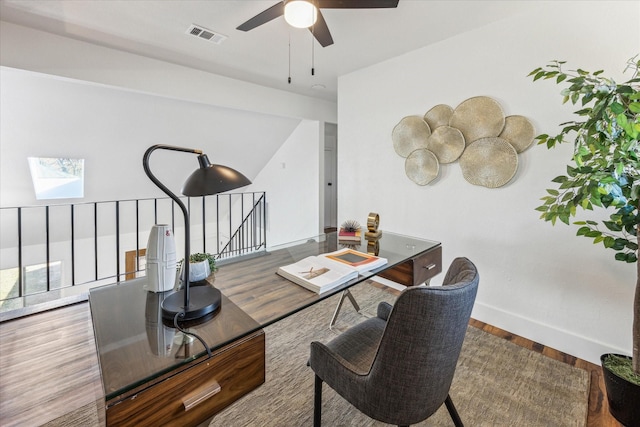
x: 397, y: 367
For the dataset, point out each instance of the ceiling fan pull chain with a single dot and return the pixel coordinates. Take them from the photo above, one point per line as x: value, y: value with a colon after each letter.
x: 289, y: 79
x: 313, y: 52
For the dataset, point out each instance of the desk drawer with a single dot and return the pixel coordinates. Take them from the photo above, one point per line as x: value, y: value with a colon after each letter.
x: 195, y: 394
x: 416, y: 270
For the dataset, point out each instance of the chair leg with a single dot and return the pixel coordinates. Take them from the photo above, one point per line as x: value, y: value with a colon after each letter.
x: 452, y: 411
x: 317, y: 403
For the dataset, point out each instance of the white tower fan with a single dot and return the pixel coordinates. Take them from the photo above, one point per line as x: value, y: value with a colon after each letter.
x: 161, y: 259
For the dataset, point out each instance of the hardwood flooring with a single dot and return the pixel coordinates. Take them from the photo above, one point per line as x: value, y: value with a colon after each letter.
x: 48, y: 366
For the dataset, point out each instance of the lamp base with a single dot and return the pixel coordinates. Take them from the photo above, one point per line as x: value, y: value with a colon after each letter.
x: 203, y: 300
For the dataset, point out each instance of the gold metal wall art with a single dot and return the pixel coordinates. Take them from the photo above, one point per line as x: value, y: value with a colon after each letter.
x: 447, y: 143
x: 411, y: 133
x: 421, y: 166
x: 444, y: 135
x: 438, y: 116
x: 489, y: 162
x: 478, y: 117
x: 519, y: 132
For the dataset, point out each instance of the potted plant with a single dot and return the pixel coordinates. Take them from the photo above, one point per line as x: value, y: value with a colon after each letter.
x: 201, y: 266
x: 605, y: 174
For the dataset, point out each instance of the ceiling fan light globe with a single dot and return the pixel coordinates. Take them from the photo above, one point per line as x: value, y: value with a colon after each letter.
x: 300, y: 13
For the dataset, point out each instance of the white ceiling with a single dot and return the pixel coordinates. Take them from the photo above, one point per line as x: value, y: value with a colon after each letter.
x: 157, y: 29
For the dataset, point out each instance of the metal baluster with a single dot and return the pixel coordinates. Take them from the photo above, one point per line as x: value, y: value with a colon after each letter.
x: 73, y: 246
x: 95, y: 237
x: 137, y: 236
x: 118, y: 240
x: 47, y: 247
x: 230, y: 226
x: 21, y: 284
x: 241, y: 237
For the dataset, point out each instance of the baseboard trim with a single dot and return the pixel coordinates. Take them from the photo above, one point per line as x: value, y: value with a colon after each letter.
x: 573, y: 344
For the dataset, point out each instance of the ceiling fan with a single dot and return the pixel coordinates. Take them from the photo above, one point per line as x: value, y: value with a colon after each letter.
x: 316, y: 23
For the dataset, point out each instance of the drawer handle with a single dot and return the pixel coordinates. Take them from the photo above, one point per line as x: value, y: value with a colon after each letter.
x: 199, y: 396
x: 430, y: 266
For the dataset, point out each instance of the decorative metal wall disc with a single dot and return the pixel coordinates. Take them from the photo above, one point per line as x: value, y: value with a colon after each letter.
x: 422, y: 166
x: 478, y: 117
x: 519, y: 131
x: 446, y: 143
x: 438, y: 116
x: 410, y: 134
x: 490, y: 162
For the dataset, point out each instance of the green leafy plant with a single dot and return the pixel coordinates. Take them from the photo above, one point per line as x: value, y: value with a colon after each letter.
x: 198, y: 257
x: 606, y: 169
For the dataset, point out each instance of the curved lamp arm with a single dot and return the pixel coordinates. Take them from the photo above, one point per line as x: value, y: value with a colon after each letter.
x: 206, y: 180
x: 187, y: 234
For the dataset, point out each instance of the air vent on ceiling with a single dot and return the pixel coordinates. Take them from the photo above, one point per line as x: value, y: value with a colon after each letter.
x: 204, y: 34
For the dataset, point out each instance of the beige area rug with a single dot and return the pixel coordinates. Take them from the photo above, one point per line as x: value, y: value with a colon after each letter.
x: 497, y: 383
x: 89, y: 415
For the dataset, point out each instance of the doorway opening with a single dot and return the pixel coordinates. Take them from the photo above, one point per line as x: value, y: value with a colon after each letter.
x: 330, y: 177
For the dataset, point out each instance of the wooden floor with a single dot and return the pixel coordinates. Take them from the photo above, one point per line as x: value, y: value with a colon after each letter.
x: 598, y: 415
x: 48, y: 367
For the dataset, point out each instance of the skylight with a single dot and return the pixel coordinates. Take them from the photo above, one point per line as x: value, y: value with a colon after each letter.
x: 57, y: 178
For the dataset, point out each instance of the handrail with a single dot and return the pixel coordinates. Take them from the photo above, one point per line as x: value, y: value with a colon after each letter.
x: 242, y: 241
x: 46, y: 248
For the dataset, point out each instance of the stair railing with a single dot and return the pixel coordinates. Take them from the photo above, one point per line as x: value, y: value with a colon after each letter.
x: 246, y: 238
x: 49, y: 248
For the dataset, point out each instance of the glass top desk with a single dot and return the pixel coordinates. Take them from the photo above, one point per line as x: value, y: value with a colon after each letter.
x: 143, y: 358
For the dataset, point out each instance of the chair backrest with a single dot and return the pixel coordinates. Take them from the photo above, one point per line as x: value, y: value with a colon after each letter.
x: 421, y: 343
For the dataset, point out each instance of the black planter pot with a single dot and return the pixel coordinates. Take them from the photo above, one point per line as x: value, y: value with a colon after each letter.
x: 623, y: 397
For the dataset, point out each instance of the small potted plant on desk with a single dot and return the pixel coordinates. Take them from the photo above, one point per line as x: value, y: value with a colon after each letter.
x: 606, y: 174
x: 201, y: 266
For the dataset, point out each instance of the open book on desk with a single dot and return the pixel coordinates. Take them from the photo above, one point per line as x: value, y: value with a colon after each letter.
x: 324, y: 272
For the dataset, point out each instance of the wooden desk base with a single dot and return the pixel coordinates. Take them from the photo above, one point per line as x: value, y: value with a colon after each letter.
x: 417, y: 270
x: 196, y: 393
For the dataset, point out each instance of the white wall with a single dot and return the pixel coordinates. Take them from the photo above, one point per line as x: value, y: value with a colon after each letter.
x: 45, y: 116
x: 292, y: 179
x: 538, y: 281
x: 62, y: 97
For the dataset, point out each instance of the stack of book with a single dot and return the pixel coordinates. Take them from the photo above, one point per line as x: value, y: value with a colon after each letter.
x: 349, y: 236
x: 324, y: 272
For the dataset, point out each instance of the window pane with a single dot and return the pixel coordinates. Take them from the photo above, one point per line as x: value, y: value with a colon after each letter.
x: 57, y: 178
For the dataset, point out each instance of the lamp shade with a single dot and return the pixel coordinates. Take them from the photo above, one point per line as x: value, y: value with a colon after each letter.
x: 212, y: 179
x: 300, y: 13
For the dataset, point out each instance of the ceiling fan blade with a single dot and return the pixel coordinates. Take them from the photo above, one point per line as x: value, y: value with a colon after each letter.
x: 320, y: 31
x: 263, y: 17
x: 356, y: 4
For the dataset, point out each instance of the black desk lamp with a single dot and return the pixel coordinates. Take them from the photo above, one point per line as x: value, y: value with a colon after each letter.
x: 209, y: 179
